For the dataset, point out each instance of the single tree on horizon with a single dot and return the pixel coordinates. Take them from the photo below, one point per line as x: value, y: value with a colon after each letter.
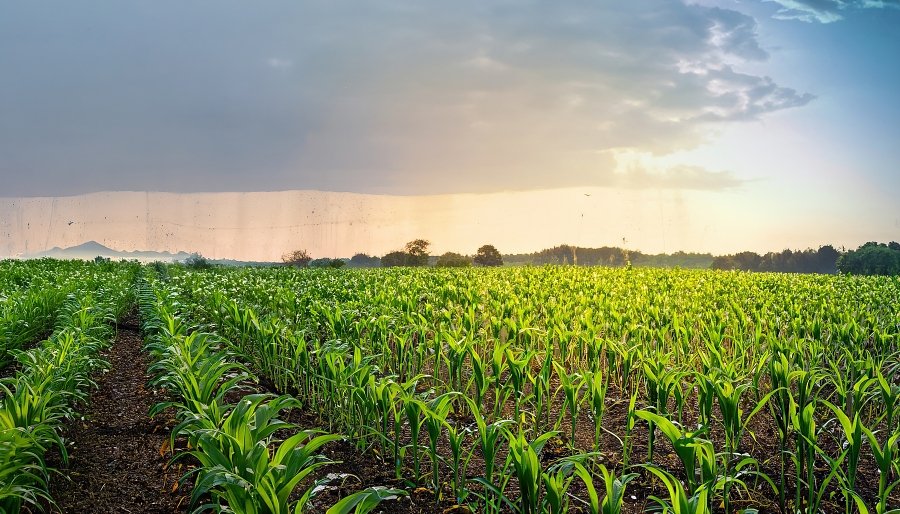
x: 488, y: 255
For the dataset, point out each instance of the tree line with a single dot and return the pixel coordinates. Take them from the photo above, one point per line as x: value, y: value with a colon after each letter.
x: 414, y: 253
x: 869, y: 259
x: 823, y: 260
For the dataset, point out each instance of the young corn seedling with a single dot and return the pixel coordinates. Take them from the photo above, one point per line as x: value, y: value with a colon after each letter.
x: 597, y: 387
x: 804, y: 425
x: 436, y: 412
x: 457, y: 438
x: 782, y: 408
x: 680, y: 501
x: 687, y: 446
x: 661, y: 381
x: 480, y: 377
x: 627, y: 443
x: 886, y: 459
x: 457, y: 351
x: 383, y: 394
x: 414, y: 408
x: 853, y: 436
x: 614, y: 487
x: 240, y: 470
x: 890, y: 396
x: 498, y: 365
x: 540, y: 384
x: 518, y: 374
x: 571, y: 385
x: 488, y: 435
x: 706, y: 396
x: 734, y: 423
x: 365, y: 501
x: 526, y: 464
x: 557, y: 479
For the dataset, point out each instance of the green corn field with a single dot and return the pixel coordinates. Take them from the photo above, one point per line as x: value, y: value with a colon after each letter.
x: 509, y: 390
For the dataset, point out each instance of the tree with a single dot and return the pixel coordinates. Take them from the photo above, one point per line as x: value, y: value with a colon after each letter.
x: 297, y: 258
x: 417, y: 250
x: 827, y: 258
x: 453, y: 260
x: 870, y: 259
x: 394, y: 259
x: 487, y: 255
x: 197, y: 261
x: 362, y: 260
x: 325, y: 262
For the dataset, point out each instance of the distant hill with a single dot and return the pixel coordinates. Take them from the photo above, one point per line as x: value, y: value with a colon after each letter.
x: 91, y: 249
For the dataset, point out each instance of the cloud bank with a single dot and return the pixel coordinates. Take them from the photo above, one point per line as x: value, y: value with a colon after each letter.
x: 403, y: 96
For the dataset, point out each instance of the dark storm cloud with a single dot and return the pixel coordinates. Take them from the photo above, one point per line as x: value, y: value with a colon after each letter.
x: 401, y: 96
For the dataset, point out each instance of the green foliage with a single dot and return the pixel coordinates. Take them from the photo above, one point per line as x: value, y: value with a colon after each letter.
x: 451, y: 376
x: 871, y: 259
x: 396, y: 259
x: 197, y: 262
x: 488, y: 255
x: 365, y: 501
x: 52, y: 378
x: 325, y: 262
x: 823, y: 260
x: 453, y: 260
x: 417, y: 250
x: 362, y: 260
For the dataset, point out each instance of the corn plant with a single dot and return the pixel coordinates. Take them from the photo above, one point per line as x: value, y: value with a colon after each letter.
x: 734, y: 423
x: 457, y: 438
x: 571, y: 385
x: 488, y: 436
x: 500, y: 336
x: 614, y: 487
x: 50, y: 381
x: 239, y: 468
x: 597, y: 387
x: 680, y: 501
x: 525, y: 462
x: 853, y: 437
x: 436, y: 412
x: 890, y: 396
x: 888, y: 467
x: 365, y: 501
x: 688, y: 447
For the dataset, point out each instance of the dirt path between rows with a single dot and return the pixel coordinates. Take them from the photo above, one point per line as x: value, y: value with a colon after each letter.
x: 115, y: 462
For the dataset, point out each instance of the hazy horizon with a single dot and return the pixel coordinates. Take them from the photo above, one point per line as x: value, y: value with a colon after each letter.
x: 711, y: 126
x: 263, y: 226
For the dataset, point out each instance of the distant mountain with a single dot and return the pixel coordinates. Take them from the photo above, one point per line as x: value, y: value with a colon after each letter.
x: 91, y: 249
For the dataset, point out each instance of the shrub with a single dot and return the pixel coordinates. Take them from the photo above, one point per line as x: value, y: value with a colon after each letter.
x: 453, y: 260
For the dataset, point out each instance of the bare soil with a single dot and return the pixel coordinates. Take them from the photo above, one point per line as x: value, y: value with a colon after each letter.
x: 117, y: 454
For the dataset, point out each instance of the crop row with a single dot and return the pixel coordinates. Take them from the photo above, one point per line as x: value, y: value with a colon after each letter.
x: 728, y: 384
x: 50, y: 381
x: 243, y: 465
x: 31, y: 294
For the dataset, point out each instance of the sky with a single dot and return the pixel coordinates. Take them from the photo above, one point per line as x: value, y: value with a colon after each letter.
x: 778, y: 117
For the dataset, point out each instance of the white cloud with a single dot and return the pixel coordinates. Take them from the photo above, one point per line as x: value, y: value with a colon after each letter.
x: 641, y: 170
x: 493, y: 96
x: 825, y: 11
